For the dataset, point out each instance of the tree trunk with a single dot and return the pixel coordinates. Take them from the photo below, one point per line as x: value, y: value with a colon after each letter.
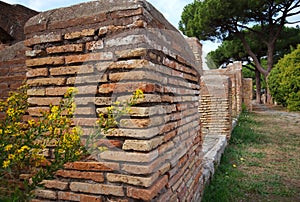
x: 258, y: 86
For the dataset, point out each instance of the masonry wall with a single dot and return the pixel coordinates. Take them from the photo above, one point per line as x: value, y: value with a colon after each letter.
x: 108, y: 49
x: 12, y: 68
x: 248, y: 93
x: 215, y: 105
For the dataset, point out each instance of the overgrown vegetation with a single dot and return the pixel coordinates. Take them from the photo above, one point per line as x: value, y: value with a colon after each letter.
x: 284, y: 81
x: 25, y: 144
x: 261, y: 162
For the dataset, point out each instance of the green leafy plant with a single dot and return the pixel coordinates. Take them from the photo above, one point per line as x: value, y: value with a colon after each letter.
x: 284, y: 81
x: 35, y: 149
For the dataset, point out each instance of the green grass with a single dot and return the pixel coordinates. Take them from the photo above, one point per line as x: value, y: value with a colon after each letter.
x: 261, y: 163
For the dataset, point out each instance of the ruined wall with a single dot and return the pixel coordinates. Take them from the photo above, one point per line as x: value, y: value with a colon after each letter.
x: 12, y: 68
x: 215, y: 105
x: 234, y: 72
x: 12, y: 21
x: 107, y: 49
x: 248, y: 93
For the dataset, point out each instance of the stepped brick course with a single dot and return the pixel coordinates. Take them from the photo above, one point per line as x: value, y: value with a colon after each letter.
x: 108, y: 49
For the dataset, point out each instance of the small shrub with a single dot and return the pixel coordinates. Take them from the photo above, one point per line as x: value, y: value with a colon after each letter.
x: 23, y: 143
x: 284, y: 81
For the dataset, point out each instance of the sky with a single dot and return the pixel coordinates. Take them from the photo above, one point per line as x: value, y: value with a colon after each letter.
x: 170, y: 9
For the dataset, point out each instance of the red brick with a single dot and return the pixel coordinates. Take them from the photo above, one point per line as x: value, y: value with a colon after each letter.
x: 129, y: 156
x: 56, y: 91
x: 55, y: 184
x: 44, y: 101
x: 93, y: 166
x: 94, y: 45
x: 79, y: 34
x: 97, y: 188
x: 71, y: 59
x: 47, y: 38
x: 147, y: 194
x: 68, y: 70
x: 65, y: 48
x: 133, y: 180
x: 45, y: 194
x: 36, y: 92
x: 45, y: 61
x: 97, y: 177
x: 37, y: 72
x: 46, y: 81
x: 69, y: 196
x: 37, y: 111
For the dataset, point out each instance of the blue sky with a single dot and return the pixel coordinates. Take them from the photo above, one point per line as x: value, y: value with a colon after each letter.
x: 170, y: 9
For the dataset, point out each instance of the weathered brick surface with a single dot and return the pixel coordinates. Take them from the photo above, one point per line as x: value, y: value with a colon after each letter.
x: 107, y: 56
x: 12, y: 68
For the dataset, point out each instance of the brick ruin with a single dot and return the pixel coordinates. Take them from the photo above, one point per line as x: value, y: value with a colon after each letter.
x: 108, y: 49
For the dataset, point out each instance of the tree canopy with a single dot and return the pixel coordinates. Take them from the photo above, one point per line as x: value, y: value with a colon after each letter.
x: 218, y: 19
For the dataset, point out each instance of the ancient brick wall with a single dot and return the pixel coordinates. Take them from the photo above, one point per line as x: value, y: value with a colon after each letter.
x: 248, y: 93
x: 107, y: 49
x: 12, y: 68
x: 215, y: 105
x: 12, y: 21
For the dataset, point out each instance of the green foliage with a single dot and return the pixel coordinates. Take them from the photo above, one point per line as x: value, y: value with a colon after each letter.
x: 284, y: 81
x: 23, y: 143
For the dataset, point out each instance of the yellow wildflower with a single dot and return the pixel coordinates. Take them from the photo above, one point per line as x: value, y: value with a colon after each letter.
x: 8, y: 147
x: 11, y: 156
x: 6, y: 163
x: 10, y: 112
x: 31, y: 122
x: 1, y: 131
x: 54, y: 109
x: 234, y: 166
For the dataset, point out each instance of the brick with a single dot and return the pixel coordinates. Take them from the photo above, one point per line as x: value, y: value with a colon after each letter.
x: 45, y: 194
x: 46, y: 38
x: 97, y: 177
x: 45, y: 61
x: 69, y: 196
x: 133, y: 180
x: 46, y: 81
x: 94, y: 45
x: 65, y: 49
x: 129, y: 156
x: 150, y: 193
x: 34, y: 53
x: 129, y: 64
x: 55, y: 184
x: 71, y: 59
x: 56, y: 91
x: 68, y: 70
x: 131, y: 53
x: 37, y: 72
x: 135, y: 133
x: 97, y: 188
x: 93, y: 166
x: 44, y: 101
x: 142, y: 123
x: 127, y: 40
x: 142, y: 145
x: 79, y: 34
x: 36, y: 92
x: 37, y: 111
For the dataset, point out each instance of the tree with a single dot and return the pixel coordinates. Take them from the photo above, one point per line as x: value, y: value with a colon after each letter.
x: 218, y: 19
x: 232, y: 50
x: 284, y: 81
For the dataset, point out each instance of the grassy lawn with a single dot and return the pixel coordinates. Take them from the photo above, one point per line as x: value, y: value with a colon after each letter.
x: 262, y: 161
